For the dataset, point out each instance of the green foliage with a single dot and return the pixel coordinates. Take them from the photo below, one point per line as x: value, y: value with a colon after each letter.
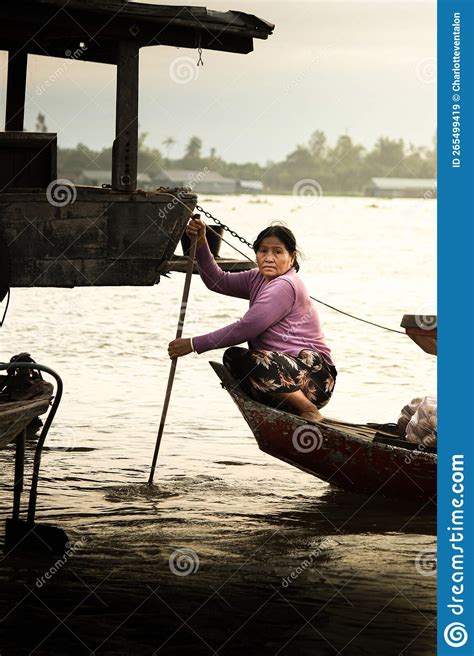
x: 40, y: 125
x: 345, y: 168
x: 192, y: 156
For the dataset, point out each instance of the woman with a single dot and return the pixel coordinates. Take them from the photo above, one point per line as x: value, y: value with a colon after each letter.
x: 288, y: 364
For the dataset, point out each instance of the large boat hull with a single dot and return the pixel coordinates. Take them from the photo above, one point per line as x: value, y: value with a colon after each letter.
x: 83, y: 236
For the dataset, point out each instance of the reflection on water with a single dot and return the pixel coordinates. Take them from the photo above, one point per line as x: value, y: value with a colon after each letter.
x: 251, y: 520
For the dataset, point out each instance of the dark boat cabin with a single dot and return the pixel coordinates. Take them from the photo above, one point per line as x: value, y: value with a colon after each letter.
x: 102, y: 236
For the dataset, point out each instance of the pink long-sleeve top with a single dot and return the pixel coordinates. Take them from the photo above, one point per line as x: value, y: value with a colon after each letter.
x: 281, y: 316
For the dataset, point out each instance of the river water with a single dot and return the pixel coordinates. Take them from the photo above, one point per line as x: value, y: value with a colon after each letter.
x: 276, y: 561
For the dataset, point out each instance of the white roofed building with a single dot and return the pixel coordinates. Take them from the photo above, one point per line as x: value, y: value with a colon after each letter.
x: 200, y: 181
x: 402, y: 187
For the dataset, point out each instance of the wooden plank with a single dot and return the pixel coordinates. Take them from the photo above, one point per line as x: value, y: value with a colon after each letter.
x: 425, y: 322
x: 125, y: 147
x: 15, y: 416
x: 179, y: 264
x: 200, y: 16
x: 42, y: 27
x: 87, y: 272
x: 102, y: 237
x: 27, y: 159
x: 16, y: 90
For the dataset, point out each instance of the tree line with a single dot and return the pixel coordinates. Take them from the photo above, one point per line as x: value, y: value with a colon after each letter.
x: 345, y: 168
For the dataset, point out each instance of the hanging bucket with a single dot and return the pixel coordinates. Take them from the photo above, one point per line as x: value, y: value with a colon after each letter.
x: 213, y: 240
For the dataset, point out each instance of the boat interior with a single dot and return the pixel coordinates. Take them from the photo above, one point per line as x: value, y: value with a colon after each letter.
x: 382, y: 433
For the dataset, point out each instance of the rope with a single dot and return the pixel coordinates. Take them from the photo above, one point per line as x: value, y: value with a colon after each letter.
x: 231, y: 245
x: 162, y: 190
x: 5, y: 276
x: 244, y: 241
x: 6, y: 309
x: 247, y: 243
x: 371, y: 323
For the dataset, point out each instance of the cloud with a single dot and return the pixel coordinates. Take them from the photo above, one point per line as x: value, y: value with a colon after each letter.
x: 329, y: 65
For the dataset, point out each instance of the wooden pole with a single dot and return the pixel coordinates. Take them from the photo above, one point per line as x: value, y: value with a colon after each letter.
x: 19, y: 471
x: 125, y: 146
x: 16, y: 90
x: 174, y: 362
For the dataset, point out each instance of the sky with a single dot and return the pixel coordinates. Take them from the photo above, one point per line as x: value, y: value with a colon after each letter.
x: 365, y: 69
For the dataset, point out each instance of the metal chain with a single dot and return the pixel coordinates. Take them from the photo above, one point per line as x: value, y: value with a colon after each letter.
x: 244, y: 241
x: 224, y: 226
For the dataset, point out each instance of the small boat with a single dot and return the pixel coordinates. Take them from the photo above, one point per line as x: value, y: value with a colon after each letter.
x: 24, y: 396
x: 17, y: 415
x: 422, y: 329
x: 364, y: 458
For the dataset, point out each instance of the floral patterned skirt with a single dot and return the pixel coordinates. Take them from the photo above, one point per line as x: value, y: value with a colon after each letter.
x: 264, y: 374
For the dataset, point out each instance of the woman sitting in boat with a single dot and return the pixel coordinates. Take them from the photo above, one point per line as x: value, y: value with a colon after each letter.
x: 288, y: 363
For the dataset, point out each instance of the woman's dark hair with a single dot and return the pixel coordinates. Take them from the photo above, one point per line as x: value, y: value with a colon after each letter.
x: 282, y: 233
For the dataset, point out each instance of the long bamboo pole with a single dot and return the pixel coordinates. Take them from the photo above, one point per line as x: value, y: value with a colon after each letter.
x: 174, y: 362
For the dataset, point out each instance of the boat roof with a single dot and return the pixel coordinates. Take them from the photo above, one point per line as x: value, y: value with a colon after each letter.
x: 92, y: 28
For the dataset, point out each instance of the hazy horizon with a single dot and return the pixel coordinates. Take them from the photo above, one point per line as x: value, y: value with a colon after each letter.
x: 366, y: 69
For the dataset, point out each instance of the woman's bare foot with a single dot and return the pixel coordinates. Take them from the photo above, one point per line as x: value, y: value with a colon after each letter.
x: 312, y: 415
x: 301, y: 404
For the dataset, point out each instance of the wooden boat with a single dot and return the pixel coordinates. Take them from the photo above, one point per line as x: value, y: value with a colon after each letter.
x: 24, y: 396
x: 53, y: 232
x: 15, y: 416
x: 350, y: 456
x: 422, y: 329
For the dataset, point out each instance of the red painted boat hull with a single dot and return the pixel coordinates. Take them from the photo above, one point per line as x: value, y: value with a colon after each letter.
x: 350, y: 462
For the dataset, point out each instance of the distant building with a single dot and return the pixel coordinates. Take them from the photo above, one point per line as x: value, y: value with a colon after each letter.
x: 201, y: 181
x: 100, y: 177
x: 250, y: 186
x: 402, y: 188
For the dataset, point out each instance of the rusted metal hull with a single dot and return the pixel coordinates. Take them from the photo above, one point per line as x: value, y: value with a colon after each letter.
x: 88, y: 236
x: 351, y: 462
